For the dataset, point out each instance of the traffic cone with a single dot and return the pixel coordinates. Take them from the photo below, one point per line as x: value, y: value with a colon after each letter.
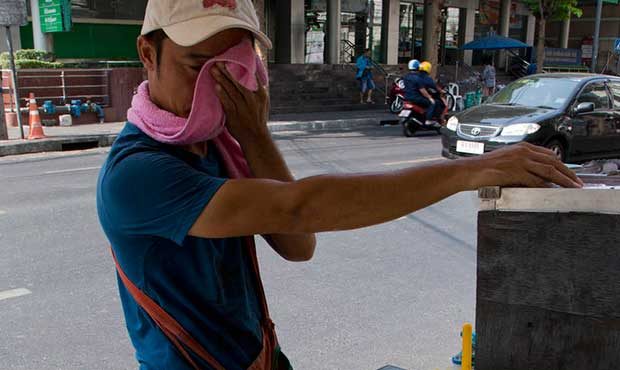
x: 36, y: 129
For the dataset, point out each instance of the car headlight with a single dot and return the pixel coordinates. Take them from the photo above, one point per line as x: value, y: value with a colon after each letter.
x: 453, y: 123
x: 520, y: 129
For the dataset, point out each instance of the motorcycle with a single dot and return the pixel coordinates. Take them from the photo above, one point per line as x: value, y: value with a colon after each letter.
x: 413, y: 117
x: 396, y: 97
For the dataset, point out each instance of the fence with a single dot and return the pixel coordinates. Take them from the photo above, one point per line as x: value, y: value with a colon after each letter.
x: 60, y: 86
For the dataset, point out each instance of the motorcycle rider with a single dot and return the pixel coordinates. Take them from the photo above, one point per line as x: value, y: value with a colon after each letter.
x: 411, y: 79
x: 423, y: 92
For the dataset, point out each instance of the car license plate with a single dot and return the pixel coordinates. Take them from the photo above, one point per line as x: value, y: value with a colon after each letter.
x: 405, y: 113
x: 469, y: 147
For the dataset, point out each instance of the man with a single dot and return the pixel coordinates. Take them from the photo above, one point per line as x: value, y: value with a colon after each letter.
x: 364, y: 76
x: 411, y: 80
x: 425, y: 93
x: 178, y: 223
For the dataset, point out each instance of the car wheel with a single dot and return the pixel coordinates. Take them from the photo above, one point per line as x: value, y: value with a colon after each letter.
x: 557, y: 148
x: 397, y: 105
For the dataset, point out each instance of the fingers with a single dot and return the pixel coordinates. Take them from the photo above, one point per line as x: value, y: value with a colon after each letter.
x: 533, y: 181
x: 227, y: 84
x: 262, y: 89
x: 551, y: 160
x: 546, y: 162
x: 549, y: 173
x: 529, y: 165
x: 243, y: 92
x: 539, y: 149
x: 227, y: 102
x: 547, y: 156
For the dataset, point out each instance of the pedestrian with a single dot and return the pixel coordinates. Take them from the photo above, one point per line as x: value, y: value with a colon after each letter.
x: 488, y: 77
x: 364, y: 76
x: 195, y: 175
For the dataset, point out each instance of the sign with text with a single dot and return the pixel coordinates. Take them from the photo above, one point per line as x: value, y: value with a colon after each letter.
x: 55, y: 15
x: 13, y: 13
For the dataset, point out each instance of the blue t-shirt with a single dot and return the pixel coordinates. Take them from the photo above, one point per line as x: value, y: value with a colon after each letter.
x: 363, y: 64
x: 149, y: 195
x: 412, y: 86
x: 427, y: 82
x: 416, y: 81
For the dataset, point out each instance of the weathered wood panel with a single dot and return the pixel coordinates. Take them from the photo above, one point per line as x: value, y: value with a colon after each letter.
x: 548, y: 291
x: 514, y: 337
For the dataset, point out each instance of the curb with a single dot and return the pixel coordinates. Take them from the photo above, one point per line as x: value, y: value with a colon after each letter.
x: 334, y: 124
x: 67, y: 143
x: 58, y: 144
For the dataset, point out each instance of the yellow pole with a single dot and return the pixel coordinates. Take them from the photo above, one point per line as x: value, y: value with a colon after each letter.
x: 467, y: 347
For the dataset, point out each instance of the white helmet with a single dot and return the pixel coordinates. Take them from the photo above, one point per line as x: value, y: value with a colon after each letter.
x: 413, y: 65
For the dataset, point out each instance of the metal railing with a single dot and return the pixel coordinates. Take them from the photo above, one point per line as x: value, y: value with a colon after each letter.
x: 518, y: 66
x: 347, y: 54
x: 565, y: 68
x: 66, y: 89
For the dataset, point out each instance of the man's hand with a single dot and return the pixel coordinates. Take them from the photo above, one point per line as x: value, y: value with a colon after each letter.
x: 246, y: 111
x: 521, y: 165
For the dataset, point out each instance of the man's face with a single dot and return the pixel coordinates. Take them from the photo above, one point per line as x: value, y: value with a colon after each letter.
x: 172, y: 81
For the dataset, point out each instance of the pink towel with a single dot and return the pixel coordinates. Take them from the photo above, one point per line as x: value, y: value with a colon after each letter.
x: 207, y: 120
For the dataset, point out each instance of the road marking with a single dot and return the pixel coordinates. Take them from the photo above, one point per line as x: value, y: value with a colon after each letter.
x: 2, y: 212
x: 71, y: 170
x: 419, y: 160
x: 14, y: 293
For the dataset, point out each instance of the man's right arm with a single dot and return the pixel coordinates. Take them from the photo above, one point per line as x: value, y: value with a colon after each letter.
x: 344, y: 202
x: 428, y: 96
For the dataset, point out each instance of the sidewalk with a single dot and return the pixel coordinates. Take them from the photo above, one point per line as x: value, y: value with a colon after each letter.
x: 101, y: 135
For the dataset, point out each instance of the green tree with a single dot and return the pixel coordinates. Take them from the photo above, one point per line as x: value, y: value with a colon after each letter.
x: 550, y: 10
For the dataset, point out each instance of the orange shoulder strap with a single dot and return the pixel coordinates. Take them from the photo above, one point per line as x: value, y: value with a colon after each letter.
x: 168, y: 325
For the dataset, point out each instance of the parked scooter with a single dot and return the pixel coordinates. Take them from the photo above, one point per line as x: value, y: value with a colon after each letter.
x: 396, y: 97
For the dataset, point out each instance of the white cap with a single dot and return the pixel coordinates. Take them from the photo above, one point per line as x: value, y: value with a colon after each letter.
x: 188, y: 22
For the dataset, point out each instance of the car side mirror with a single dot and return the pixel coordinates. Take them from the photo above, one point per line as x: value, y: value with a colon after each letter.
x: 584, y: 108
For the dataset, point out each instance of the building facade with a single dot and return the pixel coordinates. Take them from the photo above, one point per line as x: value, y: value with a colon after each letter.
x: 335, y: 31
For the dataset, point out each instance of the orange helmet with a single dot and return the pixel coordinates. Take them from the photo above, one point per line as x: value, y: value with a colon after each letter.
x: 426, y: 67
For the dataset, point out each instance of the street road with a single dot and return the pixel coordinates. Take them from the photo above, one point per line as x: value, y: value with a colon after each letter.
x: 394, y: 294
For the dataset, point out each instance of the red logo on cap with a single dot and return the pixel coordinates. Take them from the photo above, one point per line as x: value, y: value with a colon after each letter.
x: 232, y: 4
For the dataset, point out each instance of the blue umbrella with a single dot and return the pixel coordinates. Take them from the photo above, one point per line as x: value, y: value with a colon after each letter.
x: 494, y: 42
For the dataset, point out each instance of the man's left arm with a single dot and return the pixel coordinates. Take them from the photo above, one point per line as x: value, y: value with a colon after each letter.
x: 247, y: 114
x: 266, y: 162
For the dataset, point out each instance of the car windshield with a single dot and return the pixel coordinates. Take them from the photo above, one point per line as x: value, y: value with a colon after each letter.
x: 541, y: 92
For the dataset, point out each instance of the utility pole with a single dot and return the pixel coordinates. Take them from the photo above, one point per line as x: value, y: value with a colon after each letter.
x: 4, y: 133
x: 597, y: 34
x: 12, y: 13
x: 9, y: 40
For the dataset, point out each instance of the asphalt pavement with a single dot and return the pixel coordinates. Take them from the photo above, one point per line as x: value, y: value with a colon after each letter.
x: 396, y: 293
